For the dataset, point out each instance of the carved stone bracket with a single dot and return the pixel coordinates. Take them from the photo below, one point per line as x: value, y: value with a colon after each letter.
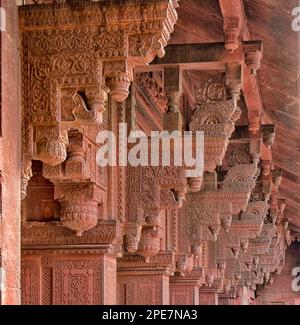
x: 215, y: 114
x: 253, y: 55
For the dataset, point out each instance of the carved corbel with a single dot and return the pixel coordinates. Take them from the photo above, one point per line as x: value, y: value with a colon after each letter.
x: 265, y: 237
x: 184, y: 264
x: 201, y: 221
x: 231, y: 28
x: 268, y: 134
x: 151, y: 190
x: 118, y: 79
x: 253, y: 55
x: 215, y: 115
x: 240, y: 181
x: 132, y: 237
x: 232, y: 272
x: 77, y: 167
x: 251, y: 221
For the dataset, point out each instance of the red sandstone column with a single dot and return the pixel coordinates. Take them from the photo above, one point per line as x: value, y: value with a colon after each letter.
x: 146, y: 288
x: 208, y: 296
x: 10, y: 156
x: 184, y: 290
x: 65, y: 279
x: 227, y: 299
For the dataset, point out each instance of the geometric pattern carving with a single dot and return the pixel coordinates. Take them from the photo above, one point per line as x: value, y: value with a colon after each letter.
x: 30, y: 281
x: 77, y: 282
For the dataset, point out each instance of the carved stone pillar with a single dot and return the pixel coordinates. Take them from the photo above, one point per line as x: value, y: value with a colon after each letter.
x: 208, y: 296
x: 61, y: 279
x: 145, y: 284
x: 185, y: 290
x: 227, y: 299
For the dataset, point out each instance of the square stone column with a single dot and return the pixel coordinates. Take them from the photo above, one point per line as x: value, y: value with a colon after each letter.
x: 143, y: 288
x: 185, y: 290
x: 142, y: 283
x: 228, y: 299
x: 62, y: 278
x: 208, y: 296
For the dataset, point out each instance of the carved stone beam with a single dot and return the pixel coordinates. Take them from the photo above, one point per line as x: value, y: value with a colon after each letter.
x: 160, y: 263
x: 197, y: 56
x: 40, y: 236
x: 253, y: 55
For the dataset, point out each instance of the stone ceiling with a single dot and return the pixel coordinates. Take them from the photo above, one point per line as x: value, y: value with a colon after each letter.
x: 269, y: 21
